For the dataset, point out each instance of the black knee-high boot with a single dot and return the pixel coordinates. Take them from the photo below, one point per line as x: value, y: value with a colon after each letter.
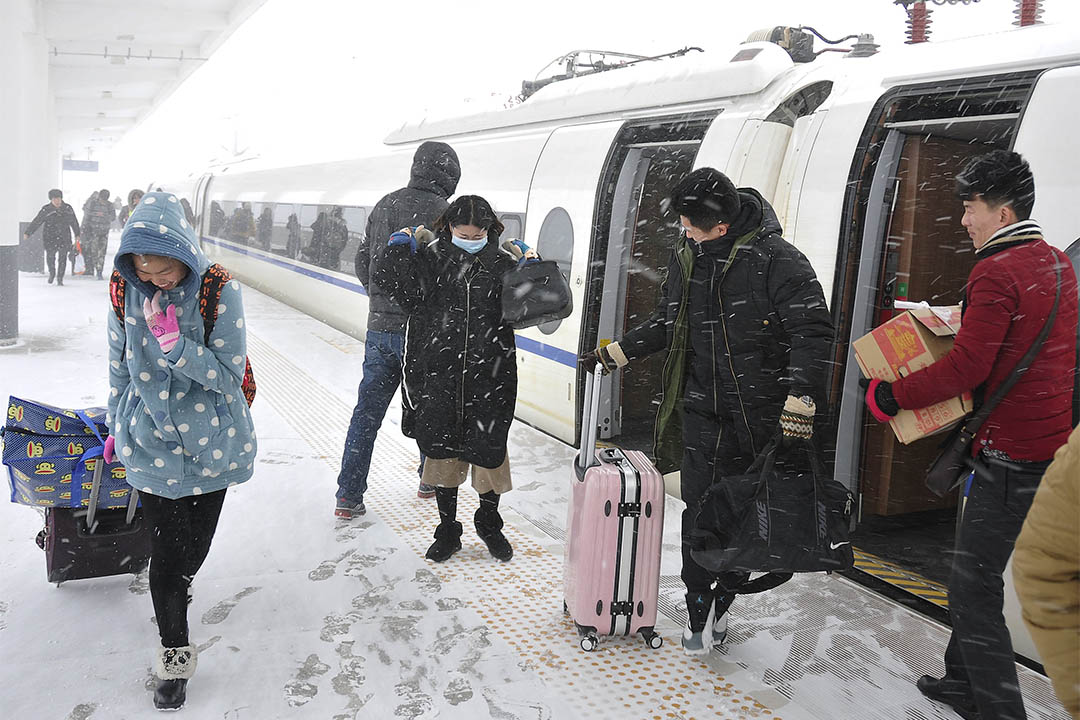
x: 448, y: 533
x: 489, y: 526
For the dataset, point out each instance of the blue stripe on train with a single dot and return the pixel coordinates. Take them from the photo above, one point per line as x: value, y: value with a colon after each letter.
x: 563, y: 357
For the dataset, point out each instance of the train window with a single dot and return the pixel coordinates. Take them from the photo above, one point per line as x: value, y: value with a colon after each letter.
x: 801, y: 103
x: 556, y: 242
x: 514, y: 226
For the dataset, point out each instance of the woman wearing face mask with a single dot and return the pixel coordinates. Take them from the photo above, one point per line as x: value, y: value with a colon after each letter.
x: 460, y: 371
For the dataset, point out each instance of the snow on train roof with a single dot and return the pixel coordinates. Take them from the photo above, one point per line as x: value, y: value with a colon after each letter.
x: 751, y: 68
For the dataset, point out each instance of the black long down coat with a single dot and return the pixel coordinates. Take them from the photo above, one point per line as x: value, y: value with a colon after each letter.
x: 460, y: 383
x: 757, y: 326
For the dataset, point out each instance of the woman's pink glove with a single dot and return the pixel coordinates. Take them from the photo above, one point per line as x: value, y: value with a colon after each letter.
x: 163, y: 324
x: 110, y: 447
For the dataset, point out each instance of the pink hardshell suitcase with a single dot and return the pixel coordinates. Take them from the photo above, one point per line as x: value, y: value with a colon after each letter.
x: 614, y: 535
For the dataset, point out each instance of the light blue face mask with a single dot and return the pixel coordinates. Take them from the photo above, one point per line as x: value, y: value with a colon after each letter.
x: 470, y: 246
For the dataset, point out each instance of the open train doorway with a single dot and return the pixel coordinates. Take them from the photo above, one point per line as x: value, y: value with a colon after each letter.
x: 646, y: 163
x: 912, y: 248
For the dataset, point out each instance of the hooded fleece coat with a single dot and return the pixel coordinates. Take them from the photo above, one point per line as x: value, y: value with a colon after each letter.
x: 180, y: 420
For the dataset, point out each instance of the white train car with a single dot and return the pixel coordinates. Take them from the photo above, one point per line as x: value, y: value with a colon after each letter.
x: 856, y: 154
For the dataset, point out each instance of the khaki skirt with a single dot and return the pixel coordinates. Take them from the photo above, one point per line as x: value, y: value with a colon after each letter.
x: 451, y: 473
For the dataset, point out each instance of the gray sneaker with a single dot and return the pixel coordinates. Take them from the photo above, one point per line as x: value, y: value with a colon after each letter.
x: 694, y: 643
x: 348, y: 509
x: 425, y: 491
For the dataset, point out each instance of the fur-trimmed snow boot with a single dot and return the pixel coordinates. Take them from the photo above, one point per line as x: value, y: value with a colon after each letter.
x: 489, y: 525
x: 175, y: 666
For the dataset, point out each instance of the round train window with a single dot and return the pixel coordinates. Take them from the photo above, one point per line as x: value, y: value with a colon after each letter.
x: 556, y: 243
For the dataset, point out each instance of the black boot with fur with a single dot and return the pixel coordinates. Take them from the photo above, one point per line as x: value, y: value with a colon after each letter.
x: 448, y: 533
x: 489, y: 526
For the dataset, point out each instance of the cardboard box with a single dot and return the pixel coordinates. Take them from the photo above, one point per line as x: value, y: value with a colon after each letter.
x: 910, y: 341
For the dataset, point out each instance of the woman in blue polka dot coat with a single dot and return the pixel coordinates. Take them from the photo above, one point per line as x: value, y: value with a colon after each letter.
x: 178, y: 418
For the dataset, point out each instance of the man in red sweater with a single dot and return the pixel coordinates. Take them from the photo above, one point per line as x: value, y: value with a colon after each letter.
x: 1009, y: 295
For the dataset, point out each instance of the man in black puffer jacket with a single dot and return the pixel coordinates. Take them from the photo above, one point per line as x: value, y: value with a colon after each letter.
x: 60, y: 221
x: 747, y: 331
x: 434, y: 178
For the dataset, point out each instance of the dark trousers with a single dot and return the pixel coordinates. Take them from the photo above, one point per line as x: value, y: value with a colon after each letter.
x: 980, y: 652
x: 55, y: 251
x: 383, y: 355
x: 180, y: 535
x: 711, y: 451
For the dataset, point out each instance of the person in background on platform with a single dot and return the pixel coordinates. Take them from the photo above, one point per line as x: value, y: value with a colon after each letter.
x: 133, y: 199
x: 460, y: 384
x: 264, y: 229
x: 292, y: 246
x: 241, y: 225
x: 1007, y: 300
x: 1046, y: 573
x: 433, y: 178
x: 59, y: 221
x: 337, y: 237
x: 97, y: 219
x: 178, y: 417
x: 744, y: 310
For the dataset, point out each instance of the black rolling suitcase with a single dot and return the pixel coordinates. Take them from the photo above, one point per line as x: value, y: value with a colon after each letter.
x: 90, y: 542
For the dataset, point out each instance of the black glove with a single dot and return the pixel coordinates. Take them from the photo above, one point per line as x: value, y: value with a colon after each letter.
x: 879, y: 399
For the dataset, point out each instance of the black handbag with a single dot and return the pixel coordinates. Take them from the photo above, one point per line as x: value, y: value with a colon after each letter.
x: 535, y: 292
x: 782, y: 516
x: 952, y: 465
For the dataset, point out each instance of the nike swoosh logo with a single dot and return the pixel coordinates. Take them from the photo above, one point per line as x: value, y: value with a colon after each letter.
x: 833, y: 545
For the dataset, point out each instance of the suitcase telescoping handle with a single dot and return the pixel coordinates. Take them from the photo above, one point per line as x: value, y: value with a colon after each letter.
x: 590, y: 422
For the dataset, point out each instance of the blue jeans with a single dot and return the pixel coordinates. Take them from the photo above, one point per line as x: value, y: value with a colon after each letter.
x: 383, y: 353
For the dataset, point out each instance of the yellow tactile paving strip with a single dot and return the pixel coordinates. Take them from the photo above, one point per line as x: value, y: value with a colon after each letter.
x: 907, y: 580
x: 522, y: 600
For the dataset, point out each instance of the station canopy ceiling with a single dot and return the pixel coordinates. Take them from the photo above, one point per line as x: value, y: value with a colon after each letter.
x: 112, y: 62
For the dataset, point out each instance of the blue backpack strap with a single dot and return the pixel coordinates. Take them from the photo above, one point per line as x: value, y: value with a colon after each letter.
x: 94, y: 452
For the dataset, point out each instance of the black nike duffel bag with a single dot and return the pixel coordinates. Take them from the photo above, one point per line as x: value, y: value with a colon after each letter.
x: 782, y: 516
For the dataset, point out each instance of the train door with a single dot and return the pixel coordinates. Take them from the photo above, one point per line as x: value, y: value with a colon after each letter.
x: 635, y: 234
x: 559, y: 224
x: 911, y: 247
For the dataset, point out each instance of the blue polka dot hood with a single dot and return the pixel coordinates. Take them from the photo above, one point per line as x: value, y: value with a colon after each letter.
x: 157, y: 226
x: 179, y: 418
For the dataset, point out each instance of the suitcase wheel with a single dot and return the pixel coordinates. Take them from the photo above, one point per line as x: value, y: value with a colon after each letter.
x: 589, y: 642
x: 652, y: 639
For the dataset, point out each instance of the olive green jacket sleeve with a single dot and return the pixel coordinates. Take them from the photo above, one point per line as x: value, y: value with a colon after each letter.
x: 1046, y: 572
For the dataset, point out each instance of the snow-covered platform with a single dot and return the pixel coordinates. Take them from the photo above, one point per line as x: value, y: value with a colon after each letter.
x: 301, y: 615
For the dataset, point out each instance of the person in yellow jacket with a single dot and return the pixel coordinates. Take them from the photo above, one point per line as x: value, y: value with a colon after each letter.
x: 1046, y: 572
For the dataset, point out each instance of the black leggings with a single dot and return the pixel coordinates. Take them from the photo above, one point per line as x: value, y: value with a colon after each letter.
x: 180, y: 535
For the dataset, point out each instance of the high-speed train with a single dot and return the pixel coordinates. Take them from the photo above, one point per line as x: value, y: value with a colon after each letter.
x: 856, y: 155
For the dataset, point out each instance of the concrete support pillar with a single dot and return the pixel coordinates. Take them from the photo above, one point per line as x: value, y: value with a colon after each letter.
x: 27, y: 142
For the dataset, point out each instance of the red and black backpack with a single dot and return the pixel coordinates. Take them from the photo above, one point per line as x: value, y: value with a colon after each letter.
x: 213, y: 280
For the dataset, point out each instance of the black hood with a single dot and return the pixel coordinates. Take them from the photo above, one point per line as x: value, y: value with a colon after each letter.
x: 755, y: 212
x: 436, y: 169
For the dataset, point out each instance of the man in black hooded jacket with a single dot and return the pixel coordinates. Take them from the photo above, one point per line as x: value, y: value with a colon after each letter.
x: 433, y: 179
x: 59, y: 220
x: 747, y: 331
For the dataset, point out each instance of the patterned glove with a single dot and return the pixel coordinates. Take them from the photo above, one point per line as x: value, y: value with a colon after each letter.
x: 797, y: 418
x: 607, y: 357
x: 163, y: 324
x: 880, y: 400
